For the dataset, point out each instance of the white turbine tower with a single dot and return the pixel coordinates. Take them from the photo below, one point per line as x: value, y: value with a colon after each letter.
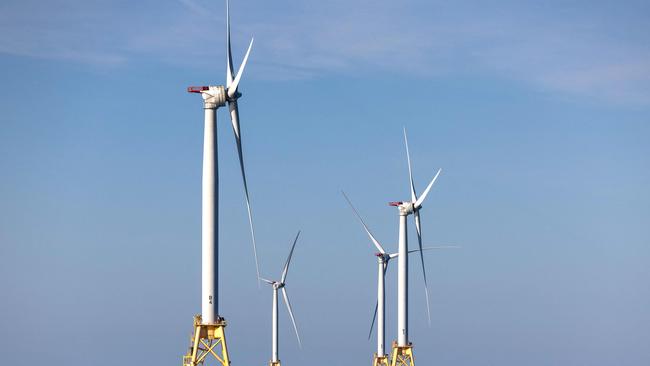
x: 280, y: 285
x: 209, y: 326
x: 380, y: 357
x: 402, y: 350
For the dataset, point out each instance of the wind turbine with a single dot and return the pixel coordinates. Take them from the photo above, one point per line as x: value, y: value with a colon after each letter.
x: 402, y: 350
x: 379, y: 358
x: 280, y: 285
x: 383, y: 258
x: 209, y: 326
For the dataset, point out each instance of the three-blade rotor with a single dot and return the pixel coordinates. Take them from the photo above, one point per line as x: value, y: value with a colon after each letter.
x: 232, y: 84
x: 416, y: 205
x: 281, y: 285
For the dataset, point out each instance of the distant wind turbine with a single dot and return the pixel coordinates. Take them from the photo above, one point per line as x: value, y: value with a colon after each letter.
x: 280, y: 285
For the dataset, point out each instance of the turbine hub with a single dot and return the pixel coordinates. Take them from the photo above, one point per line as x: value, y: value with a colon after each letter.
x: 234, y: 97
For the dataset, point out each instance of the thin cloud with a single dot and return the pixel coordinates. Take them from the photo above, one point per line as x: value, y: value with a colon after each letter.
x: 195, y: 7
x: 575, y: 53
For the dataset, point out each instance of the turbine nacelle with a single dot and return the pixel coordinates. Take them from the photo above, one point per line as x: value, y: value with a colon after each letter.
x: 383, y: 257
x: 213, y: 96
x: 405, y: 208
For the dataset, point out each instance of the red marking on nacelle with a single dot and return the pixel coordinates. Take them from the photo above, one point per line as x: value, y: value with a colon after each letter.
x: 197, y: 89
x: 397, y: 203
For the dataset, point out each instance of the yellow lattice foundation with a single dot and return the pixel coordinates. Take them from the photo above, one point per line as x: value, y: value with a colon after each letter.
x: 207, y: 340
x: 271, y: 363
x: 380, y: 360
x: 402, y: 355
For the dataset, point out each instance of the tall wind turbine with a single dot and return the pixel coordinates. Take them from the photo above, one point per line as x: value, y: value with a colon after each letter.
x: 402, y: 350
x: 380, y: 358
x: 280, y: 285
x: 209, y: 326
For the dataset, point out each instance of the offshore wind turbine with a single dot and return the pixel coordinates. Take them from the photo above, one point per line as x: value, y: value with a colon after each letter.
x: 279, y: 285
x: 380, y: 358
x: 208, y: 337
x: 402, y: 353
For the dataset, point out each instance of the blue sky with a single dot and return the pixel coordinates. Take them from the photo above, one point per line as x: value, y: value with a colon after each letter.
x: 539, y: 115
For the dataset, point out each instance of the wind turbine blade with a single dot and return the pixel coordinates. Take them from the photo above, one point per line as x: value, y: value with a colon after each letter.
x: 265, y: 280
x: 374, y: 317
x: 418, y: 203
x: 408, y: 159
x: 436, y: 247
x: 372, y: 238
x: 229, y: 71
x: 234, y: 118
x: 286, y: 265
x: 232, y: 88
x: 418, y: 229
x: 293, y: 320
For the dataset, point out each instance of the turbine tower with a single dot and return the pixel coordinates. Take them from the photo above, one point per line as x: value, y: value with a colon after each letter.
x: 208, y: 337
x: 380, y: 358
x: 280, y: 285
x: 402, y: 354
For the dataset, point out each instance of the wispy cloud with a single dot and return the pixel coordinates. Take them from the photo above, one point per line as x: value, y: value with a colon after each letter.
x: 195, y: 7
x: 588, y: 51
x: 62, y: 30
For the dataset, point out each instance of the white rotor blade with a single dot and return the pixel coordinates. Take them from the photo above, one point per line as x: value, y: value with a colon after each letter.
x: 293, y: 320
x: 418, y: 203
x: 408, y: 159
x: 418, y: 229
x: 286, y: 265
x: 232, y: 88
x: 234, y: 118
x: 229, y: 71
x: 374, y: 241
x: 432, y: 248
x: 265, y: 280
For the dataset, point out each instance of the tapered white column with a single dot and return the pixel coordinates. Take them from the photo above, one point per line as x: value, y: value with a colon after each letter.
x: 381, y: 315
x: 209, y: 237
x: 274, y: 357
x: 402, y: 283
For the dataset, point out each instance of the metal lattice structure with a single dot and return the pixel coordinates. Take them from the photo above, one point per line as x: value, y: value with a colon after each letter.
x: 207, y: 340
x: 402, y: 355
